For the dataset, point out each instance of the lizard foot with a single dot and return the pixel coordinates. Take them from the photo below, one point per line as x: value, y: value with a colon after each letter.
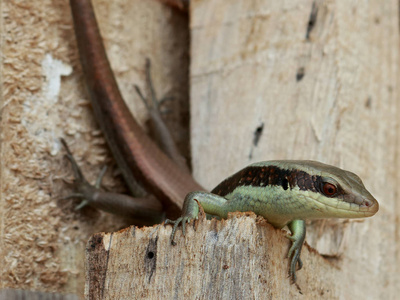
x: 190, y: 212
x: 83, y: 189
x: 154, y: 105
x: 158, y: 127
x: 183, y: 220
x: 298, y: 229
x: 294, y: 255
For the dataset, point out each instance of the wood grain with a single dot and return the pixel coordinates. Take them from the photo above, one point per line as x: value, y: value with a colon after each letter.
x: 43, y: 98
x: 239, y: 258
x: 321, y: 78
x: 313, y: 80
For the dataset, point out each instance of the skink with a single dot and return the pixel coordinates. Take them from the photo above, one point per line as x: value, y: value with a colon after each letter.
x: 136, y: 154
x: 283, y: 192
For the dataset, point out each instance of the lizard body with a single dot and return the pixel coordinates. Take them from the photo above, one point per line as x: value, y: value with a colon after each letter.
x: 283, y: 192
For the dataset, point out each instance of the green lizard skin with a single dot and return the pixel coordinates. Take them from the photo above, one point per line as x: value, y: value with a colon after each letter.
x: 285, y: 193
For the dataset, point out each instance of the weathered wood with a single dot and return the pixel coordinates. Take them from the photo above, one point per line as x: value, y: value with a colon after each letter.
x: 9, y: 294
x: 323, y: 88
x: 322, y: 80
x: 314, y: 80
x: 239, y: 258
x: 42, y: 238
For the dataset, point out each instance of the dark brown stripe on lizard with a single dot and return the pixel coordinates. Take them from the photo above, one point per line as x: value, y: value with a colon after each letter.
x: 269, y: 176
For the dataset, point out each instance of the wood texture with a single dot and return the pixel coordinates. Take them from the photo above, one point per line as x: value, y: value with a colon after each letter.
x: 323, y: 88
x: 9, y: 294
x: 42, y: 237
x: 315, y: 80
x: 239, y: 258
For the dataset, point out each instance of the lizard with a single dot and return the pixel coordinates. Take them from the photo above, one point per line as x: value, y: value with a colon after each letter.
x: 283, y: 192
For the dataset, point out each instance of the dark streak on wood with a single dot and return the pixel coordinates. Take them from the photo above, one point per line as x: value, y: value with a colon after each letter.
x: 300, y: 74
x: 368, y: 102
x: 133, y: 231
x: 312, y: 20
x: 257, y: 134
x: 150, y: 259
x: 96, y: 266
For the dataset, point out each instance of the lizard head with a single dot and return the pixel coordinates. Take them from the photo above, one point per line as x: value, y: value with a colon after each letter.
x: 341, y: 193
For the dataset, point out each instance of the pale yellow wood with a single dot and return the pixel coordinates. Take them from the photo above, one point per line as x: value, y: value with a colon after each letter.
x: 329, y: 95
x: 238, y: 258
x: 247, y: 58
x: 42, y: 238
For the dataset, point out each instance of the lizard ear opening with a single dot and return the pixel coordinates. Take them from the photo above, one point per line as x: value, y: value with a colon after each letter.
x: 285, y: 183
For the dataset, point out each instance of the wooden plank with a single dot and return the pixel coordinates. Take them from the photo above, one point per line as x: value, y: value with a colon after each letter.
x: 239, y: 258
x: 321, y: 78
x: 9, y: 294
x: 43, y: 98
x: 314, y: 80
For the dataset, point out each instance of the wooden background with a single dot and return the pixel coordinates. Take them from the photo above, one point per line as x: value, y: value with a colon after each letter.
x: 323, y: 88
x: 42, y: 238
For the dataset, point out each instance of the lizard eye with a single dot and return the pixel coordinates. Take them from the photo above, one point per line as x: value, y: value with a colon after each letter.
x: 329, y: 189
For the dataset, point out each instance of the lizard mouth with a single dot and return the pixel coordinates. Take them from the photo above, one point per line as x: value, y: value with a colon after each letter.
x: 365, y: 208
x: 365, y: 204
x: 370, y: 207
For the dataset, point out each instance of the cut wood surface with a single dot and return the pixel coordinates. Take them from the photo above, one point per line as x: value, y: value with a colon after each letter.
x: 239, y: 258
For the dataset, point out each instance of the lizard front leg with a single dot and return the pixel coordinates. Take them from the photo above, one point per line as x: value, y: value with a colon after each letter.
x: 211, y: 203
x: 220, y: 206
x: 298, y: 229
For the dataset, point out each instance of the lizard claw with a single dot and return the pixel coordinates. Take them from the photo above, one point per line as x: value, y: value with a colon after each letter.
x: 153, y: 104
x: 297, y: 228
x: 183, y: 220
x: 190, y: 212
x: 158, y: 128
x: 84, y: 190
x: 294, y: 255
x: 76, y: 196
x: 82, y: 204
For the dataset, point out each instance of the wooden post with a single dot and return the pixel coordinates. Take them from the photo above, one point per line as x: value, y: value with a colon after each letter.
x: 312, y: 80
x: 42, y: 238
